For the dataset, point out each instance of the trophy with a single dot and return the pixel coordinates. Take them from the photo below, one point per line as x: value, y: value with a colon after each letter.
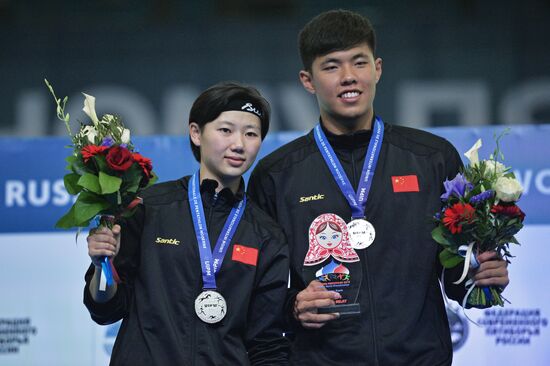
x: 332, y: 261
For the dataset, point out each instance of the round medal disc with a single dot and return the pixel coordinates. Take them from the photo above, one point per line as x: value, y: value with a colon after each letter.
x: 361, y: 233
x: 210, y: 306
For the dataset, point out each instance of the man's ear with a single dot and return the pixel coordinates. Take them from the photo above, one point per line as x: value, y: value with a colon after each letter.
x: 307, y: 81
x: 195, y: 133
x: 378, y: 67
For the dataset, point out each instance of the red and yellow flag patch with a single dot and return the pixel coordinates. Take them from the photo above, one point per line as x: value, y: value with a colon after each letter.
x: 245, y: 254
x: 405, y: 183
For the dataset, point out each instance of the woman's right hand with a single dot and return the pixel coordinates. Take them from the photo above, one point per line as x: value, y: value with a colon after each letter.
x: 103, y: 242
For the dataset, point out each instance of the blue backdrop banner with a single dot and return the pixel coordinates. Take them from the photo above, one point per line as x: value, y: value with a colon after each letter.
x: 32, y: 195
x: 43, y: 320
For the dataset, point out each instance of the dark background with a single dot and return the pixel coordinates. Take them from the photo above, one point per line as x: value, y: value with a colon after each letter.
x: 455, y: 62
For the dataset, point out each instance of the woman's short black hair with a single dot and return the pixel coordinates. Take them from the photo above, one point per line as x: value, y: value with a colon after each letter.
x: 218, y: 99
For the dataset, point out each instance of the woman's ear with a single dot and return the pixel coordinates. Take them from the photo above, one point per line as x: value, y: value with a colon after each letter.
x: 195, y: 133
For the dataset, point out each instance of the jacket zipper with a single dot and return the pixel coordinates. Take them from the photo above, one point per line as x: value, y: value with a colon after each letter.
x: 369, y: 284
x: 208, y: 216
x: 211, y: 214
x: 193, y: 342
x: 372, y: 310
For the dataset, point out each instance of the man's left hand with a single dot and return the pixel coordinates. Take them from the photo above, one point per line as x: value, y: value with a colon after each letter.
x: 492, y: 271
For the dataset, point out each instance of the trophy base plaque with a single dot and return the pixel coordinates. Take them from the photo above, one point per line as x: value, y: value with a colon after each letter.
x: 344, y: 310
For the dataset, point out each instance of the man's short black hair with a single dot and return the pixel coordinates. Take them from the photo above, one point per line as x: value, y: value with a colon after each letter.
x: 334, y: 30
x: 216, y: 99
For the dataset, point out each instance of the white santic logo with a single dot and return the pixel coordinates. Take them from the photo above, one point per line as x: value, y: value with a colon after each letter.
x: 249, y: 108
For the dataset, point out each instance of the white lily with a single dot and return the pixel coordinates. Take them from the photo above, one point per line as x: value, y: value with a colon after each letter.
x: 472, y: 154
x: 90, y: 133
x: 89, y: 108
x: 125, y: 136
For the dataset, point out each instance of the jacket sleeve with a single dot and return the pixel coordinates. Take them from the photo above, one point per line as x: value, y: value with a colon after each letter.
x: 261, y: 189
x: 265, y: 342
x: 126, y: 264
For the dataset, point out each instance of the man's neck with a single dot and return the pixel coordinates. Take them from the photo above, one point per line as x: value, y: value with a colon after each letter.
x: 343, y: 127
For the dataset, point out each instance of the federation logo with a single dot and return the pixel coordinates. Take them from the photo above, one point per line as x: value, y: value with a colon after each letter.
x: 458, y: 326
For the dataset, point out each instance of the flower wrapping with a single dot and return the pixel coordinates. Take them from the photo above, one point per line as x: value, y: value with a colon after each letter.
x: 479, y: 214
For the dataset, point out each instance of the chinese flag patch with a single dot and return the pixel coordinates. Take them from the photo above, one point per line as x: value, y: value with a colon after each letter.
x: 405, y: 183
x: 245, y: 254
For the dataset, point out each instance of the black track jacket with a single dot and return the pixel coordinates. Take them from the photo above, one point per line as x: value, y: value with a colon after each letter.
x: 403, y: 319
x: 160, y: 270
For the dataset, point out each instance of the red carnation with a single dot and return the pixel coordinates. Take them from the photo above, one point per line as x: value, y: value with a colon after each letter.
x: 508, y: 210
x: 144, y: 163
x: 90, y: 151
x: 457, y: 215
x: 119, y: 158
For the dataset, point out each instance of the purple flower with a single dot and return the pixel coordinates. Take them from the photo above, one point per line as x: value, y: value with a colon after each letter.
x: 107, y: 141
x: 483, y: 196
x: 456, y: 187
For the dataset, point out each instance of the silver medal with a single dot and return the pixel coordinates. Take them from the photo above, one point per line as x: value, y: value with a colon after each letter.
x: 361, y: 233
x: 210, y: 306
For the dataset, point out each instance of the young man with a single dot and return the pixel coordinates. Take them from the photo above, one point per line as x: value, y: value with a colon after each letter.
x: 402, y: 317
x: 203, y: 271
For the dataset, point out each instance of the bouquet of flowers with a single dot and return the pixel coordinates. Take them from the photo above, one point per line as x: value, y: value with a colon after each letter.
x: 479, y: 214
x: 105, y: 171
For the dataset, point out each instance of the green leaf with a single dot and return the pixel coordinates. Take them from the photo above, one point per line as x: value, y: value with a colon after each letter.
x: 71, y: 159
x: 77, y: 166
x: 449, y: 259
x: 71, y: 183
x: 90, y: 182
x: 101, y: 163
x: 108, y: 183
x: 438, y: 235
x: 132, y: 186
x: 88, y: 205
x: 67, y: 221
x: 153, y: 179
x: 132, y: 178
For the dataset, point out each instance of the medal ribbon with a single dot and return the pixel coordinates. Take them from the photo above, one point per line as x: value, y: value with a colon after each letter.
x: 357, y: 200
x: 211, y: 261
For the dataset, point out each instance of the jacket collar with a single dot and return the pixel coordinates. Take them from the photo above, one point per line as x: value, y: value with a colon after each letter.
x: 352, y: 140
x: 208, y: 190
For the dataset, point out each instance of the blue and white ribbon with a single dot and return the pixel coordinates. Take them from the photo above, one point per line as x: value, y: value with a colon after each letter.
x: 357, y: 200
x: 211, y: 261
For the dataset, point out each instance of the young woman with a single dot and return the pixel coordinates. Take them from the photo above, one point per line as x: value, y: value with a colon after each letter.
x: 203, y: 271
